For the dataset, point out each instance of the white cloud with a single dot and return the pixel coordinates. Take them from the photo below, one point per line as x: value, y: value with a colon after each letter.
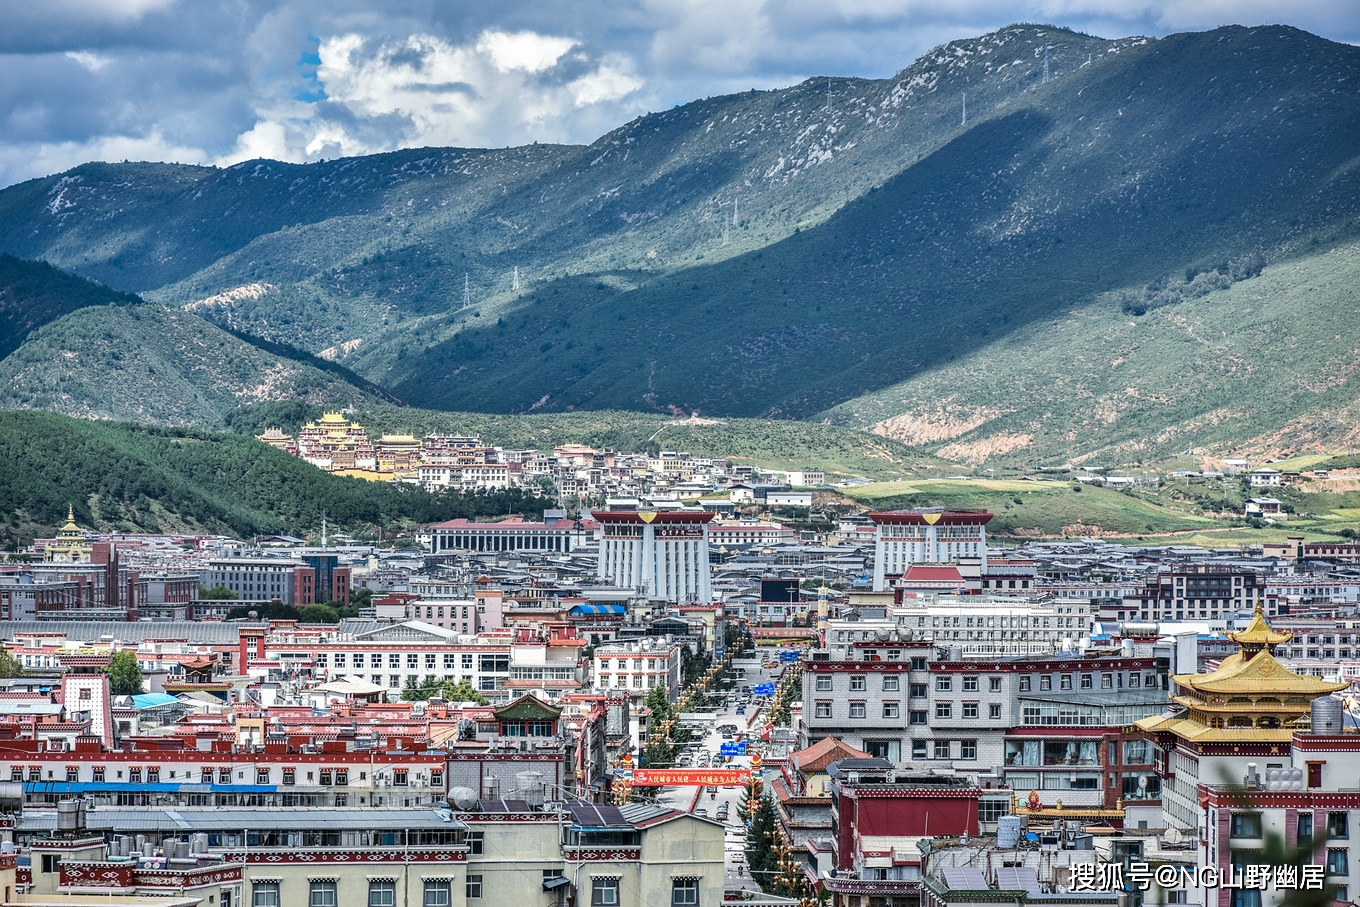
x: 615, y: 79
x: 524, y: 50
x: 497, y: 89
x: 26, y: 161
x: 92, y: 62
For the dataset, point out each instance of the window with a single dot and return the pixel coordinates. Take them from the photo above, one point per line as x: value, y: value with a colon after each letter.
x: 970, y: 684
x: 994, y: 711
x: 439, y: 892
x: 1337, y: 862
x: 918, y: 717
x: 944, y: 684
x: 994, y: 684
x: 918, y: 690
x: 134, y: 775
x: 1065, y: 681
x: 1246, y: 825
x: 1045, y: 682
x: 967, y: 749
x: 99, y: 774
x: 823, y: 683
x: 265, y: 894
x: 1305, y: 831
x: 290, y: 776
x: 1107, y: 681
x: 321, y: 893
x: 1337, y: 826
x: 857, y: 682
x: 970, y: 710
x: 1086, y: 681
x: 941, y: 749
x: 684, y: 892
x: 1024, y: 684
x: 823, y: 709
x: 919, y: 749
x: 476, y: 842
x: 891, y: 684
x: 890, y: 710
x: 474, y: 887
x: 1137, y: 752
x: 261, y: 776
x: 72, y: 775
x: 944, y: 710
x: 224, y: 776
x: 604, y: 892
x: 342, y: 776
x: 327, y: 777
x: 918, y: 663
x: 399, y: 778
x: 857, y: 710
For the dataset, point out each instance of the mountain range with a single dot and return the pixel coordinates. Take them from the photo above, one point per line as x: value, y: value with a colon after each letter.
x: 1030, y: 245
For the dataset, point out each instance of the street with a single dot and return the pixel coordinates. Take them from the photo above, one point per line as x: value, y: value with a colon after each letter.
x: 704, y: 751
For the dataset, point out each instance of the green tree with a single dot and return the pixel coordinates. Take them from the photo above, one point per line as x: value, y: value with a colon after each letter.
x: 317, y: 614
x: 125, y: 674
x: 9, y: 665
x: 462, y: 691
x: 217, y: 593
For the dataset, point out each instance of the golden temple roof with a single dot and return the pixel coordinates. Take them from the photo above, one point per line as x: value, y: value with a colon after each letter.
x: 70, y: 526
x: 333, y: 419
x: 1262, y: 673
x: 1259, y: 633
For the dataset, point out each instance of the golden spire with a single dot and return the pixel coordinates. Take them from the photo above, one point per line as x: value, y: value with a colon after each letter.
x: 1259, y: 635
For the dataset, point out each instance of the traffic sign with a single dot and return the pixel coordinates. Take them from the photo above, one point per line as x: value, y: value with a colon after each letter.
x: 764, y: 689
x: 732, y: 749
x: 788, y: 656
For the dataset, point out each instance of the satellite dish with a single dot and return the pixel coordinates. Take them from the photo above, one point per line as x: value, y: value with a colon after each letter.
x: 1173, y: 836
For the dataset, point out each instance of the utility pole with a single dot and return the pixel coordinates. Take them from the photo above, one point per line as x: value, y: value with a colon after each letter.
x: 965, y: 109
x: 1045, y: 64
x: 515, y: 283
x: 828, y: 92
x: 467, y: 291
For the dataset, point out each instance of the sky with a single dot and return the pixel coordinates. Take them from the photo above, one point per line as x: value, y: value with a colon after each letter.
x: 222, y: 81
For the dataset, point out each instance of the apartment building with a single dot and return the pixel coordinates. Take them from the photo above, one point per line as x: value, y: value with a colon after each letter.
x: 638, y: 666
x: 928, y: 536
x: 982, y: 717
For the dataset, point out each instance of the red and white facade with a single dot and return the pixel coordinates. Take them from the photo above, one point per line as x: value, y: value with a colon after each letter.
x: 906, y: 537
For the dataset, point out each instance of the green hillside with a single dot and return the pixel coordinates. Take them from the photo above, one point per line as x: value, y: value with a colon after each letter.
x: 142, y: 478
x: 877, y: 238
x: 153, y: 363
x: 761, y: 442
x: 33, y: 293
x: 1265, y: 367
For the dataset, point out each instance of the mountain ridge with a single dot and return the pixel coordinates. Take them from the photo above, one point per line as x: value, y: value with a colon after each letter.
x: 766, y: 253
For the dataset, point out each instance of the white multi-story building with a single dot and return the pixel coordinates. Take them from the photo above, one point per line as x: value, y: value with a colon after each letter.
x: 980, y: 626
x: 638, y: 666
x: 750, y: 533
x: 906, y: 537
x: 663, y: 553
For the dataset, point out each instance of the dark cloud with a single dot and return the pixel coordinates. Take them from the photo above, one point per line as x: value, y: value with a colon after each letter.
x: 224, y: 80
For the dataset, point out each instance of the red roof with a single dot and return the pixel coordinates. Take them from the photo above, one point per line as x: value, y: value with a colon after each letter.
x: 918, y: 573
x: 659, y: 517
x: 932, y: 517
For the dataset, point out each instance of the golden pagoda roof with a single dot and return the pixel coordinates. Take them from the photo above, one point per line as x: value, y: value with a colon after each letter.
x: 333, y: 419
x: 1260, y: 633
x: 1190, y: 729
x: 71, y: 526
x: 1262, y: 673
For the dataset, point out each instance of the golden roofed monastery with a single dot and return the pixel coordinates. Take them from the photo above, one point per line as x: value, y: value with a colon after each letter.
x: 1252, y: 697
x: 70, y: 546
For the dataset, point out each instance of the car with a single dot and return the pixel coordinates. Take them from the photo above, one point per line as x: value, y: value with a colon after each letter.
x: 701, y: 811
x: 741, y: 710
